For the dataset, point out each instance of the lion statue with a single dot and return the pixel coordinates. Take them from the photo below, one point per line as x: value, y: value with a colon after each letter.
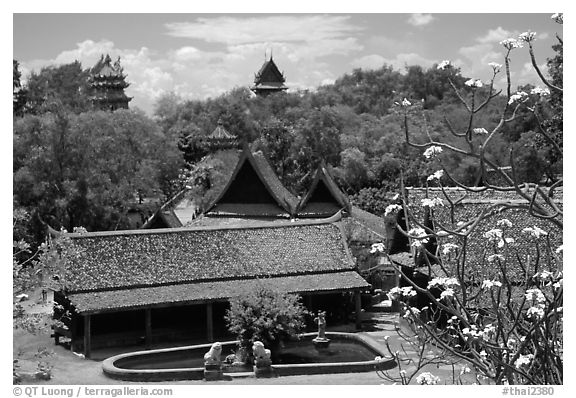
x: 261, y: 354
x: 212, y: 357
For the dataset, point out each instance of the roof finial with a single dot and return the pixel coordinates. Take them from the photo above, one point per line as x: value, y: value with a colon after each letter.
x: 271, y: 52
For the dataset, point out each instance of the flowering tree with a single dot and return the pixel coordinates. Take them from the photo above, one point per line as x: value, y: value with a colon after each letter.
x: 494, y: 295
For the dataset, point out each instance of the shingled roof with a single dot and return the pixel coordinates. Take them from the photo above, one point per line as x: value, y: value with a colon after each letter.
x: 253, y: 190
x: 128, y: 269
x: 324, y: 198
x: 468, y: 205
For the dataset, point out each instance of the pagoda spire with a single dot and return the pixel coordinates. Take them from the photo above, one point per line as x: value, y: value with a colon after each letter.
x: 269, y: 79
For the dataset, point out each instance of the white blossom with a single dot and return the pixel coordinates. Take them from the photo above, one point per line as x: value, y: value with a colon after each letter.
x: 474, y: 83
x: 444, y: 64
x: 377, y: 248
x: 535, y: 312
x: 480, y: 131
x: 405, y: 102
x: 509, y: 240
x: 520, y: 96
x: 495, y: 66
x: 527, y: 36
x: 419, y: 236
x: 436, y: 175
x: 403, y: 373
x: 510, y: 44
x: 399, y: 292
x: 534, y: 231
x: 535, y: 294
x: 448, y: 248
x: 560, y: 249
x: 432, y: 151
x: 483, y: 354
x: 504, y: 223
x: 540, y: 91
x: 443, y: 282
x: 495, y: 235
x: 488, y: 284
x: 493, y: 257
x: 391, y: 209
x: 558, y: 18
x: 432, y: 202
x: 465, y: 369
x: 543, y: 276
x: 523, y: 360
x: 447, y: 293
x: 427, y: 378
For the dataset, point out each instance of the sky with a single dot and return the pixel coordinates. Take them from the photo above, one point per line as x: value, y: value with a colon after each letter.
x: 198, y: 56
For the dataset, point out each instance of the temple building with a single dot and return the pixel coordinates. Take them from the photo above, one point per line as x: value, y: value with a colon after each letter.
x: 107, y: 84
x: 268, y: 80
x: 152, y: 286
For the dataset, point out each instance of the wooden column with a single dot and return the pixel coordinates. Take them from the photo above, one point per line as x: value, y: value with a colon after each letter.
x: 148, y: 327
x: 87, y: 336
x: 209, y: 322
x: 74, y: 331
x: 358, y: 304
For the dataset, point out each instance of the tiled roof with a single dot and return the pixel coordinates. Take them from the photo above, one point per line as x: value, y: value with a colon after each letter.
x: 281, y: 203
x: 209, y: 291
x: 324, y: 198
x: 471, y: 204
x: 374, y: 224
x: 113, y: 260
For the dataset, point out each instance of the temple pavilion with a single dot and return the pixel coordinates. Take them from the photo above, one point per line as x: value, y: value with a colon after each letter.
x: 269, y: 79
x: 107, y: 84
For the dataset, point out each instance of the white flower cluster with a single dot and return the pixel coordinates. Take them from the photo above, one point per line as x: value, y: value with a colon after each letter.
x: 520, y: 96
x: 444, y: 64
x: 543, y: 276
x: 495, y: 66
x: 488, y: 284
x: 432, y: 151
x: 535, y: 295
x: 448, y: 248
x: 405, y: 102
x: 511, y: 44
x: 558, y: 18
x: 443, y: 282
x: 398, y: 292
x: 427, y: 378
x: 474, y: 333
x: 432, y: 202
x: 474, y: 83
x: 560, y: 249
x: 527, y: 36
x: 523, y: 360
x: 480, y: 131
x: 378, y: 248
x: 391, y: 209
x: 436, y: 175
x: 447, y: 293
x: 534, y: 232
x: 540, y: 91
x: 495, y: 235
x: 535, y: 312
x: 504, y: 223
x: 419, y: 236
x: 493, y: 257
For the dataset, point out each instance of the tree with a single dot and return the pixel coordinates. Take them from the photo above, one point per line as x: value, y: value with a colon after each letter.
x: 503, y: 316
x: 89, y: 169
x: 265, y: 315
x: 18, y: 93
x: 65, y: 84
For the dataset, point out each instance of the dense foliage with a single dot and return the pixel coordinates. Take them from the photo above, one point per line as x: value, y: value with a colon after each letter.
x: 265, y: 315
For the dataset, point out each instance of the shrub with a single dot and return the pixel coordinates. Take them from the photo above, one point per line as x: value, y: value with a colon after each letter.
x: 265, y: 315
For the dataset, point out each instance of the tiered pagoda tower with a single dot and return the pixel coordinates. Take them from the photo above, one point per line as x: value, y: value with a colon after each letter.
x: 269, y: 79
x: 108, y: 82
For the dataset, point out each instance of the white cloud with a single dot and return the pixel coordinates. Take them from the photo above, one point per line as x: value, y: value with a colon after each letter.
x: 496, y: 35
x: 420, y: 19
x: 372, y: 61
x: 235, y: 30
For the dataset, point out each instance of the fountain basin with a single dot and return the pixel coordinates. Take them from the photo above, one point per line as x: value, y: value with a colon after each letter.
x: 348, y: 353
